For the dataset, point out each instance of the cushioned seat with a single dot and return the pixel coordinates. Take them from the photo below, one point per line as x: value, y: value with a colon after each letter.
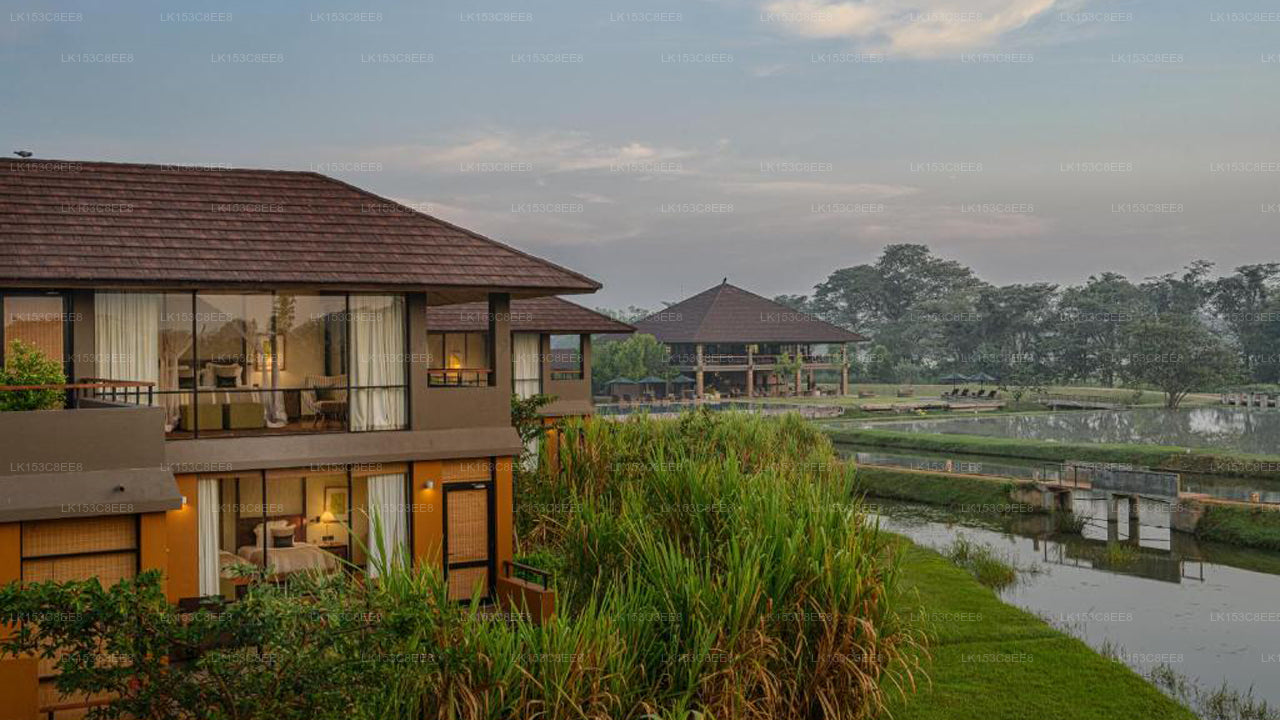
x: 209, y: 415
x: 243, y: 416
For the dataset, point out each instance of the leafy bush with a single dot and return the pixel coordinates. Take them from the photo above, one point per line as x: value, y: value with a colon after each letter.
x: 26, y: 365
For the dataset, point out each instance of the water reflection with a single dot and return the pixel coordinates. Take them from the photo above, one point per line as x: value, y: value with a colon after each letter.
x: 1224, y: 428
x: 1209, y: 611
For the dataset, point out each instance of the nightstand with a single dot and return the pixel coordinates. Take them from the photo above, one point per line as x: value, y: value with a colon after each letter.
x: 339, y: 549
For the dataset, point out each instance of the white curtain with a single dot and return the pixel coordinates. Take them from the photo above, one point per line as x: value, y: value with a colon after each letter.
x: 377, y: 358
x: 387, y: 504
x: 207, y: 501
x: 127, y: 336
x: 526, y: 352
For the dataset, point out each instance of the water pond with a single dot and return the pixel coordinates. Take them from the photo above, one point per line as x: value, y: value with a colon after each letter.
x: 1220, y: 428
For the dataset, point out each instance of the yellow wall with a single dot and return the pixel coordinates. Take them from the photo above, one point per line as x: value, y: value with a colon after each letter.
x: 19, y: 688
x: 182, y: 535
x: 428, y: 517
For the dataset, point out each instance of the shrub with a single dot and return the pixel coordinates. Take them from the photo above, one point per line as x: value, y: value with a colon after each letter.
x: 26, y: 365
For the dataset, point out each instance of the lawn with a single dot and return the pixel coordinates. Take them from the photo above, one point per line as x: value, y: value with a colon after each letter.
x: 992, y: 661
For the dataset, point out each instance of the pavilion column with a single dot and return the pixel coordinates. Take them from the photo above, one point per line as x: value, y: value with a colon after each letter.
x: 844, y: 370
x: 798, y: 368
x: 698, y: 372
x: 751, y: 371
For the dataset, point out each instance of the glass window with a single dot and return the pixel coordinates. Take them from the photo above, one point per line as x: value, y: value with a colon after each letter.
x: 295, y: 520
x: 458, y: 359
x: 566, y: 357
x: 377, y: 362
x: 233, y: 364
x: 35, y: 320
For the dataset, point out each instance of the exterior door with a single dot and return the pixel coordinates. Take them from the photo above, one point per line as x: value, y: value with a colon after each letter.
x: 469, y: 539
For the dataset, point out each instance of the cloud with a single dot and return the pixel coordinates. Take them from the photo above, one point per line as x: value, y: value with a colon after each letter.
x: 542, y: 153
x: 907, y: 28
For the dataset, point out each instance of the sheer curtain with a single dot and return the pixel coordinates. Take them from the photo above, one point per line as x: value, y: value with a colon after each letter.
x: 526, y: 351
x: 387, y: 504
x: 127, y: 336
x: 377, y: 358
x: 207, y: 501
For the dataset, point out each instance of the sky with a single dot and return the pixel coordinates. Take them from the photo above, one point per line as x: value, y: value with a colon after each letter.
x: 659, y: 147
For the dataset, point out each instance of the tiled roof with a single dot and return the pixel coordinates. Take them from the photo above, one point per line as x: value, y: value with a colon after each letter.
x: 92, y: 222
x: 545, y: 314
x: 729, y: 314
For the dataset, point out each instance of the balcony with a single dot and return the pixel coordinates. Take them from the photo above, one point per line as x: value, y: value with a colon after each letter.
x: 105, y: 425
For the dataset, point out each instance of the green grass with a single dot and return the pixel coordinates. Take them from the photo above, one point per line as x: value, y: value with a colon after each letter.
x: 1239, y: 525
x: 935, y: 488
x: 1164, y: 457
x: 1044, y: 673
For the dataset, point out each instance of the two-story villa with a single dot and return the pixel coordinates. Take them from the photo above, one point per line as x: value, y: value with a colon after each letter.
x: 257, y: 363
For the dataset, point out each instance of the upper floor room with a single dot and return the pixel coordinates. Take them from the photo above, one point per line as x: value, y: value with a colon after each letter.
x: 250, y: 302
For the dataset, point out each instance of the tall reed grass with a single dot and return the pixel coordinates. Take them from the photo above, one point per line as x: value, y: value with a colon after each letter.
x: 727, y: 553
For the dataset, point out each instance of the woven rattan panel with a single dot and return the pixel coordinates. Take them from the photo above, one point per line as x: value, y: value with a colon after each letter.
x: 108, y: 568
x: 468, y: 525
x: 79, y: 535
x: 463, y: 582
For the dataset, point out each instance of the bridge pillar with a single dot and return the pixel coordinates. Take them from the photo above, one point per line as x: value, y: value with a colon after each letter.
x: 1113, y: 509
x: 1062, y: 501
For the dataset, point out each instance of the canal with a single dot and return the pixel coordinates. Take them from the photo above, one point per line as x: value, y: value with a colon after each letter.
x: 1211, y: 613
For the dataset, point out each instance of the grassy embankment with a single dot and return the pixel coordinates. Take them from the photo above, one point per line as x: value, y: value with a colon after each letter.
x: 992, y: 661
x: 1243, y: 525
x: 968, y: 492
x: 1163, y: 457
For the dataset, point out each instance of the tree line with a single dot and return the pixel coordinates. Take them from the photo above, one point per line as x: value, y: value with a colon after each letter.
x: 928, y: 316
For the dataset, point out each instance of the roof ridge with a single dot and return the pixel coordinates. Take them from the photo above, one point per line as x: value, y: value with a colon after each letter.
x: 719, y: 292
x: 194, y: 167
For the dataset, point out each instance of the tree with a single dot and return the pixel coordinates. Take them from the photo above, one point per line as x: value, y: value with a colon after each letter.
x: 26, y: 365
x: 896, y: 299
x: 1177, y: 355
x: 636, y: 357
x: 1091, y: 327
x: 1243, y: 302
x: 789, y: 365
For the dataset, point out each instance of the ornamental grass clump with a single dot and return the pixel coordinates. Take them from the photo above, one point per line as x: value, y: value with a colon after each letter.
x: 735, y: 562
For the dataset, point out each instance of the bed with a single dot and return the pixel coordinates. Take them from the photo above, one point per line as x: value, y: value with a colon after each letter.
x: 251, y: 539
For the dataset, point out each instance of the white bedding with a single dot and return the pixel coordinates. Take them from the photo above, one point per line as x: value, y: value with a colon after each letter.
x: 283, y: 560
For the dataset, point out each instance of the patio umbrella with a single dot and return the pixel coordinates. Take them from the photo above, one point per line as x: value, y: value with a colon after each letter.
x: 954, y: 378
x: 981, y: 378
x: 621, y: 381
x: 683, y: 380
x: 652, y: 380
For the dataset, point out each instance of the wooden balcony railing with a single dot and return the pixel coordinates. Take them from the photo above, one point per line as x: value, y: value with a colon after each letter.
x: 723, y: 360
